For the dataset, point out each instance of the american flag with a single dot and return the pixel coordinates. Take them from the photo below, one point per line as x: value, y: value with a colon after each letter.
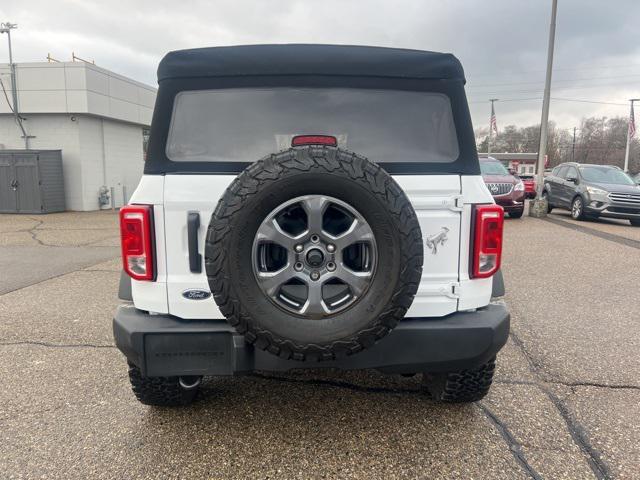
x: 632, y: 123
x: 493, y: 126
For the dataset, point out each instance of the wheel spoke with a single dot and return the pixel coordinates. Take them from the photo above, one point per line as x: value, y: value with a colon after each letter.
x: 315, y: 207
x: 359, y: 231
x: 271, y: 281
x: 304, y: 264
x: 314, y: 306
x: 357, y: 281
x: 271, y: 232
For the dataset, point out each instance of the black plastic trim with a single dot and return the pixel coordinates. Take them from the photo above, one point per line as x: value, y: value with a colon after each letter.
x: 195, y: 258
x: 162, y: 345
x: 124, y: 288
x: 497, y: 290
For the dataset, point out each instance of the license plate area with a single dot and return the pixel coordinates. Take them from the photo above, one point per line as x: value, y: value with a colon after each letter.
x: 189, y: 354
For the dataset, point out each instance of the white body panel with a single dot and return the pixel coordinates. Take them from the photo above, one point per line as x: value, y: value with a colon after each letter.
x: 443, y: 204
x: 472, y: 293
x: 152, y: 296
x: 184, y: 193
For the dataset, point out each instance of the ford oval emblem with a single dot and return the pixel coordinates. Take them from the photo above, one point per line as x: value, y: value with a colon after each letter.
x: 196, y: 294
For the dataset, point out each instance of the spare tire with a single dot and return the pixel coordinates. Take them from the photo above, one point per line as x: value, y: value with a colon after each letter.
x: 313, y: 253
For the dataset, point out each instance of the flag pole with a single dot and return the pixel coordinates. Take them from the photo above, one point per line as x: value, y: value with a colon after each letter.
x: 630, y: 132
x: 492, y: 123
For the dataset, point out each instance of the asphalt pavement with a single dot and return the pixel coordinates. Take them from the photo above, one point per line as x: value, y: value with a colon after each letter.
x: 565, y: 404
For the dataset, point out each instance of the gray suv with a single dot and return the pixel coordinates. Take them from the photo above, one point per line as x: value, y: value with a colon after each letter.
x: 591, y: 191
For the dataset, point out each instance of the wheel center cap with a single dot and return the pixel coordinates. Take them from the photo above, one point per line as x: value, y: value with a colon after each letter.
x: 315, y: 257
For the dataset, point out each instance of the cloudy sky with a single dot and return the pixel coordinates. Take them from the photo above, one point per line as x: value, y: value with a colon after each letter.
x: 502, y: 43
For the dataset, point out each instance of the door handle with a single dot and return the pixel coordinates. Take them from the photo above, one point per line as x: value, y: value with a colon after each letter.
x: 195, y: 259
x: 14, y: 185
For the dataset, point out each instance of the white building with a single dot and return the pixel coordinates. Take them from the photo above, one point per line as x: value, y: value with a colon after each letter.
x: 94, y: 116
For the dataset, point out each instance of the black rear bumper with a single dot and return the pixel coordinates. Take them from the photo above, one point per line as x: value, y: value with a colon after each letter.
x: 162, y: 345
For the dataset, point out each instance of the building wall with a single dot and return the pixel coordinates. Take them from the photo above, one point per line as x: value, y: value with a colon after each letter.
x: 95, y: 152
x: 93, y: 115
x: 78, y: 87
x: 112, y: 156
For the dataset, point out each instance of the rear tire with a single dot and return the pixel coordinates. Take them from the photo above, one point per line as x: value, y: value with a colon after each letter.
x: 545, y: 196
x: 516, y: 214
x: 160, y: 391
x: 635, y: 222
x: 463, y: 386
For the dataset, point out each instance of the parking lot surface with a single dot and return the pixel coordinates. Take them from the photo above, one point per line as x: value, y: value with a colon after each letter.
x: 566, y: 402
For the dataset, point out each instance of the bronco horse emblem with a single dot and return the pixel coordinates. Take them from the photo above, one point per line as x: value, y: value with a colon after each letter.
x: 437, y: 239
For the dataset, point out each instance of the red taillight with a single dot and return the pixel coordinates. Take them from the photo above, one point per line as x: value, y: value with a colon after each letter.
x: 300, y: 140
x: 487, y: 240
x: 136, y: 238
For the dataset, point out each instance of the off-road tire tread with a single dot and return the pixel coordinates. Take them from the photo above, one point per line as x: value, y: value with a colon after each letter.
x: 295, y: 162
x: 463, y: 386
x: 159, y: 391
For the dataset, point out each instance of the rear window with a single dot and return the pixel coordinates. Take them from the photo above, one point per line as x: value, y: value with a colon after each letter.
x: 247, y: 124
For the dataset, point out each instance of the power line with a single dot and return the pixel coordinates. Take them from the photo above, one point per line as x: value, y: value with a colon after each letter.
x: 554, y: 98
x: 563, y: 69
x: 563, y: 80
x: 508, y: 100
x: 588, y: 101
x: 538, y: 91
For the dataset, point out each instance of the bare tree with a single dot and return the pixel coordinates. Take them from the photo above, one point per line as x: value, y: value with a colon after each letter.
x: 601, y: 140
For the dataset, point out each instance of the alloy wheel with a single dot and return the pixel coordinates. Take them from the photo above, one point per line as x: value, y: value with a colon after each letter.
x: 314, y: 256
x: 576, y: 208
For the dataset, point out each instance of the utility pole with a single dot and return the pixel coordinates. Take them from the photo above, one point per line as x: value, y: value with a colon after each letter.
x: 538, y: 208
x: 492, y: 120
x: 573, y: 146
x: 6, y: 27
x: 626, y: 153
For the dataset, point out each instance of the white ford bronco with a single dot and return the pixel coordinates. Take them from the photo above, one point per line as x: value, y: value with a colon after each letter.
x: 310, y: 206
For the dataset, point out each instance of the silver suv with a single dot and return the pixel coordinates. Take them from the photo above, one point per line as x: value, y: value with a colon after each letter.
x: 591, y: 191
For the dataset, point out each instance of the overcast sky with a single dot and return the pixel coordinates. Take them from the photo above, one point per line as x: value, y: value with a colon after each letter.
x: 502, y: 43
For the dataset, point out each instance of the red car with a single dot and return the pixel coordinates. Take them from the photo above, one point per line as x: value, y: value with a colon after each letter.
x: 529, y: 185
x: 507, y: 190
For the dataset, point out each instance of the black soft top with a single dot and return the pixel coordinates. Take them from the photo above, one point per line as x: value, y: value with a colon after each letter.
x: 301, y: 59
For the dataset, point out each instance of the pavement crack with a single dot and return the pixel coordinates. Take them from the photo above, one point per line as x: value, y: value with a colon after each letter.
x: 32, y: 231
x: 598, y: 385
x: 34, y: 235
x: 577, y: 432
x: 508, y: 381
x: 56, y: 345
x: 515, y: 447
x: 535, y: 367
x: 580, y: 438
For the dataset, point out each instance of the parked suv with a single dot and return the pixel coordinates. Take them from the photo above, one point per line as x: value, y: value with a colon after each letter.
x: 593, y: 191
x: 290, y: 196
x: 507, y: 190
